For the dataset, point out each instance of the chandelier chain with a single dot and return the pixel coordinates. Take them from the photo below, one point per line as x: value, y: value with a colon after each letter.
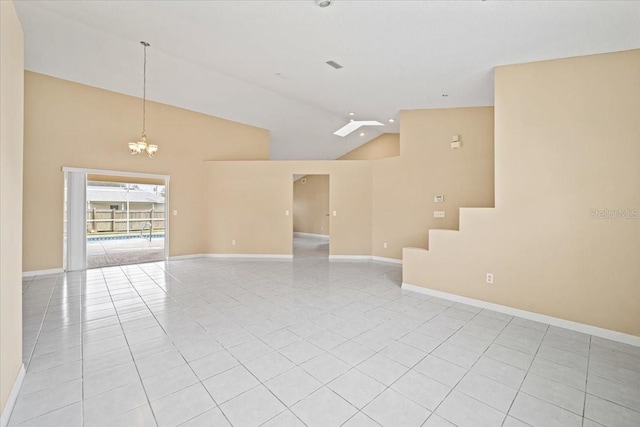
x: 142, y: 146
x: 144, y: 89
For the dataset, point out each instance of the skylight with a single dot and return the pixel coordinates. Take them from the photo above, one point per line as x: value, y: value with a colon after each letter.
x: 355, y: 125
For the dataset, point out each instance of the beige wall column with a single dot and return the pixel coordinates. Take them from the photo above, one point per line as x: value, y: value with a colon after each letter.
x: 564, y: 238
x: 404, y: 187
x: 11, y: 129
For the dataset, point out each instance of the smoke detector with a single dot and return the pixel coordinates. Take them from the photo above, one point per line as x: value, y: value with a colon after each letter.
x: 323, y: 3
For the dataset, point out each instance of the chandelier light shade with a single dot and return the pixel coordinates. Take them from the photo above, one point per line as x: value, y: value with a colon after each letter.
x: 142, y: 146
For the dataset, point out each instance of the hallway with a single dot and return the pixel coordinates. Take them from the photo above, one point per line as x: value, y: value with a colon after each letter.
x: 306, y: 246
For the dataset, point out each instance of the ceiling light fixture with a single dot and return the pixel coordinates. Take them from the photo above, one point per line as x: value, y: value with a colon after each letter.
x: 141, y: 146
x: 323, y: 3
x: 361, y: 133
x: 391, y: 120
x: 352, y: 113
x: 354, y: 126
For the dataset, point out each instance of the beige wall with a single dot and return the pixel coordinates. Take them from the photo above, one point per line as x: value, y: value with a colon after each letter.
x: 385, y: 146
x: 388, y: 200
x: 11, y: 132
x: 246, y: 202
x: 567, y: 141
x: 311, y: 205
x: 69, y: 124
x: 403, y: 187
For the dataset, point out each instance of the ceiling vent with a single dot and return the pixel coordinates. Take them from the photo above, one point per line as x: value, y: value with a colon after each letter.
x: 334, y: 64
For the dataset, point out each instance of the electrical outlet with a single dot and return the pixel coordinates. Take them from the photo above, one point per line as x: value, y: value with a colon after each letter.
x: 233, y: 242
x: 385, y: 245
x: 490, y: 278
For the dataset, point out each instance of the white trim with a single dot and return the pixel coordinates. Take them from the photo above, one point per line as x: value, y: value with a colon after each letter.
x: 550, y: 320
x: 115, y: 173
x: 350, y: 257
x: 320, y: 236
x: 385, y: 259
x: 191, y: 256
x: 13, y: 396
x: 75, y: 221
x: 42, y: 272
x: 365, y: 258
x: 279, y: 256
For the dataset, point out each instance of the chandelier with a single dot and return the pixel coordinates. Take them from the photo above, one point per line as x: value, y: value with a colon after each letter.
x: 141, y: 146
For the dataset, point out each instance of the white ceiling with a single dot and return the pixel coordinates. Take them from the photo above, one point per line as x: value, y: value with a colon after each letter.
x: 263, y: 62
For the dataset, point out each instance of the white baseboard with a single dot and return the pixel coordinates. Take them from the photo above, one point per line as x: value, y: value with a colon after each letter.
x: 13, y: 396
x: 193, y: 256
x: 190, y: 256
x: 537, y: 317
x: 384, y: 259
x: 277, y: 256
x: 350, y: 257
x: 319, y: 236
x: 42, y: 272
x: 364, y: 258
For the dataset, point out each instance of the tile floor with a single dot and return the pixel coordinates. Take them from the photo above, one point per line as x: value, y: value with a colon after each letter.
x: 300, y: 342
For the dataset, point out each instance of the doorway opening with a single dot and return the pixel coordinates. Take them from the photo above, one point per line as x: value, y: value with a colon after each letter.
x: 125, y: 222
x: 114, y: 218
x: 311, y: 216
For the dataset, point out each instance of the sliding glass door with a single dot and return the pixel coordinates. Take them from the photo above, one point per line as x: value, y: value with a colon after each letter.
x: 114, y: 218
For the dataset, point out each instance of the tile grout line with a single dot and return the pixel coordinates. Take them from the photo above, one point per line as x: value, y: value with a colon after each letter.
x: 527, y: 373
x: 178, y: 350
x: 82, y: 326
x: 128, y: 348
x: 469, y: 369
x: 44, y: 316
x: 586, y: 384
x: 46, y: 309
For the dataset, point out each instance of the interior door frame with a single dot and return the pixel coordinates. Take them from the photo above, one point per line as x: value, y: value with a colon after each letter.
x: 123, y: 174
x: 328, y: 174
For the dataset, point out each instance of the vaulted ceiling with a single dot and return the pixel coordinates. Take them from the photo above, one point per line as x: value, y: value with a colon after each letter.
x: 263, y: 63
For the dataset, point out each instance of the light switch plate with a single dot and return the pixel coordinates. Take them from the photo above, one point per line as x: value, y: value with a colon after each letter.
x: 438, y: 214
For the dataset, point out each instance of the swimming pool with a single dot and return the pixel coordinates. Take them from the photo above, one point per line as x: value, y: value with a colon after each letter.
x: 154, y: 236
